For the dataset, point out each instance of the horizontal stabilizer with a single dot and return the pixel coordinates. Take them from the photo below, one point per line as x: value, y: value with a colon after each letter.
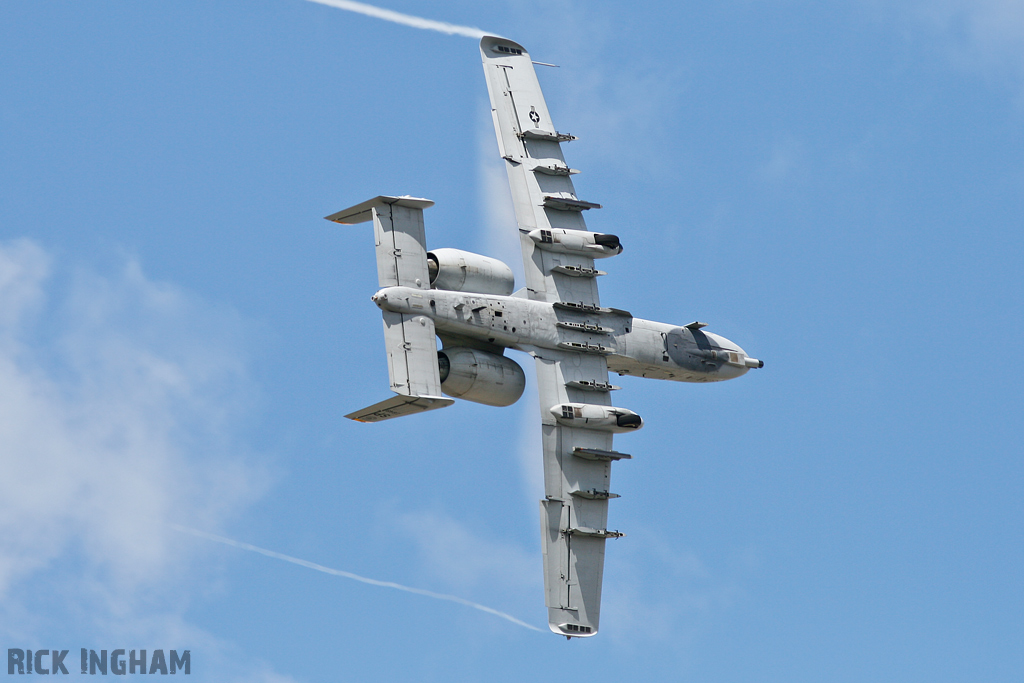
x: 360, y: 213
x: 399, y: 405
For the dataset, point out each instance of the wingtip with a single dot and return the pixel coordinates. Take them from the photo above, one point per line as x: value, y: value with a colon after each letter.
x: 570, y: 630
x: 494, y: 44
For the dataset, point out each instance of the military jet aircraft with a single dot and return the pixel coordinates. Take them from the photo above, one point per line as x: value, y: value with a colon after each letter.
x: 467, y: 301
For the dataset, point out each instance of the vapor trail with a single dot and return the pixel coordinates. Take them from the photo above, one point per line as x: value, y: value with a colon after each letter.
x: 350, y: 575
x: 405, y: 19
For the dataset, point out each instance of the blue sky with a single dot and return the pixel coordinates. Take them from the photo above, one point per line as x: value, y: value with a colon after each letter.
x: 838, y: 187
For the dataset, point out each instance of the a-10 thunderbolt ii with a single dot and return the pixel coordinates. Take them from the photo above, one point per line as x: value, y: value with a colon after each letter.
x: 467, y: 301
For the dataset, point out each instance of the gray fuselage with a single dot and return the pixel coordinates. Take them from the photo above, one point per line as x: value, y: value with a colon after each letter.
x: 632, y: 346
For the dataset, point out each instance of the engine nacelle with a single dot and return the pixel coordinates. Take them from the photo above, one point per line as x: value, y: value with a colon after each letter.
x: 590, y: 416
x: 581, y: 242
x: 479, y: 376
x: 464, y: 271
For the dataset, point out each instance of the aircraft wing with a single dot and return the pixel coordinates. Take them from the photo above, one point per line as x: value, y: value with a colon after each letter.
x: 577, y: 473
x: 542, y: 191
x: 577, y: 461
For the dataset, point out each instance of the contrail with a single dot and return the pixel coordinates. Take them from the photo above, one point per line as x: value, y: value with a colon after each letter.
x: 405, y: 19
x: 350, y: 575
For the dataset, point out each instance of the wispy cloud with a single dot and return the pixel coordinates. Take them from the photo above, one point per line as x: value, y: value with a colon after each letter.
x: 404, y: 19
x: 667, y: 591
x: 530, y: 445
x: 985, y: 36
x: 993, y: 27
x: 355, y: 577
x: 118, y: 397
x: 501, y: 232
x: 620, y: 108
x: 788, y: 162
x: 460, y: 556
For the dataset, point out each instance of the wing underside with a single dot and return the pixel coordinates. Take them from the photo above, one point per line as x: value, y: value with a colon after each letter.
x: 577, y: 483
x: 577, y: 479
x: 542, y: 189
x: 577, y: 460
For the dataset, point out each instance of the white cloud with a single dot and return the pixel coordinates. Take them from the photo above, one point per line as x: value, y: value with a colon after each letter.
x: 464, y: 559
x: 994, y: 27
x: 788, y: 162
x: 530, y: 446
x: 986, y: 36
x: 212, y: 658
x: 118, y: 397
x: 620, y: 108
x: 497, y: 213
x: 666, y: 591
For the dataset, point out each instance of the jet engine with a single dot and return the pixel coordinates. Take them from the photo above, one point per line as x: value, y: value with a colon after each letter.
x: 479, y: 376
x: 463, y: 271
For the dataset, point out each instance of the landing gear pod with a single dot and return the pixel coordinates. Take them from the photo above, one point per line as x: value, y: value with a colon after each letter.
x: 463, y: 271
x: 590, y: 416
x: 579, y: 242
x: 479, y: 376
